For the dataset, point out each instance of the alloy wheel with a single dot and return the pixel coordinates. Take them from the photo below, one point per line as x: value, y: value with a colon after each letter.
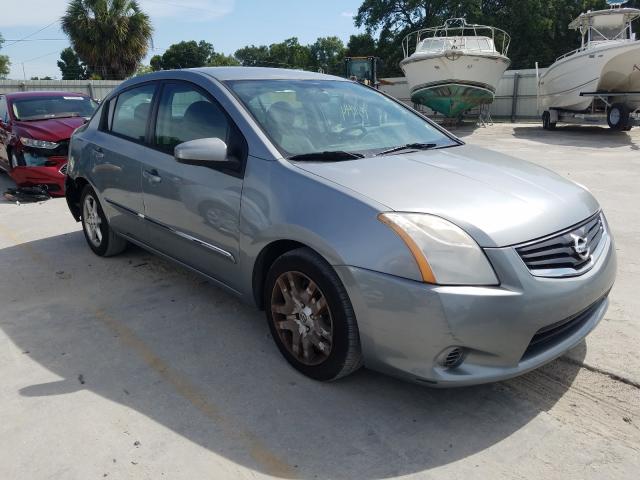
x: 302, y: 318
x: 92, y: 221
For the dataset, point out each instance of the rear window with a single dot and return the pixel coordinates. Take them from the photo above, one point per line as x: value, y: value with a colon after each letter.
x: 131, y: 112
x: 42, y: 108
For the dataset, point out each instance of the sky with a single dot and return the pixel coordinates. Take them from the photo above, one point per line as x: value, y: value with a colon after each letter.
x: 227, y: 24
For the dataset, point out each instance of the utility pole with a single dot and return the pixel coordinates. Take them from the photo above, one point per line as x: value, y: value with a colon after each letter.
x: 24, y: 74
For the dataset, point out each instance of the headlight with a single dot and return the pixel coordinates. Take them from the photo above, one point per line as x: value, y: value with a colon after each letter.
x: 445, y: 254
x: 31, y: 142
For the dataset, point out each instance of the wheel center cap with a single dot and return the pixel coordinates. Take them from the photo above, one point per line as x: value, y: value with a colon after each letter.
x: 304, y: 320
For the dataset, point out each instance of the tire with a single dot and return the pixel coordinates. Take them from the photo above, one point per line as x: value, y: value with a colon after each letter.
x: 101, y: 239
x: 327, y: 329
x: 618, y: 116
x: 546, y: 121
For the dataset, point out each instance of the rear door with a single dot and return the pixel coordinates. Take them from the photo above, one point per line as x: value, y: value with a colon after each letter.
x: 117, y: 150
x: 193, y: 211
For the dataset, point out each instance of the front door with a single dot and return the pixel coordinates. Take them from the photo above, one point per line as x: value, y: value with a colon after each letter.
x: 192, y: 211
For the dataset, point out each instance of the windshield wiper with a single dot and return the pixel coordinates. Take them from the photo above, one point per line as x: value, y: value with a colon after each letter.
x: 409, y: 146
x: 328, y: 156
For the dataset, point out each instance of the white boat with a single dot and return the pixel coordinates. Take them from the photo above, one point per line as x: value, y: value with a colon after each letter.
x: 607, y: 62
x: 455, y: 67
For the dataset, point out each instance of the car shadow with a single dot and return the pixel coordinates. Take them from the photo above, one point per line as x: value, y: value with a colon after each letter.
x: 159, y: 340
x: 584, y: 136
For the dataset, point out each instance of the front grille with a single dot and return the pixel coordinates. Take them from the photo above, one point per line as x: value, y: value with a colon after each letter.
x: 553, y: 334
x: 63, y: 169
x: 566, y: 254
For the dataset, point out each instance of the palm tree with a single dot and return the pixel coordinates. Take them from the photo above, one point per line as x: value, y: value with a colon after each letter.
x: 110, y: 36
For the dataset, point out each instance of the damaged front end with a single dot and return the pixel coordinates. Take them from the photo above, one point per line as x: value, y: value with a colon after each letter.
x: 43, y: 167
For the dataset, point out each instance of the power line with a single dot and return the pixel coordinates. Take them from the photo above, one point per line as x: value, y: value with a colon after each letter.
x: 39, y: 57
x: 35, y: 40
x: 31, y: 34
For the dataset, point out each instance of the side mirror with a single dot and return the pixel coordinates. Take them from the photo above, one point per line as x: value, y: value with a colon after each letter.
x: 204, y: 152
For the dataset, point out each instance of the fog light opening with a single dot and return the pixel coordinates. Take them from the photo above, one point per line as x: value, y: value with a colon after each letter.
x: 452, y: 357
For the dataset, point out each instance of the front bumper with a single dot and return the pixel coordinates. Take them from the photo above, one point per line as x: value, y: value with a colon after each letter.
x: 32, y: 176
x: 405, y: 325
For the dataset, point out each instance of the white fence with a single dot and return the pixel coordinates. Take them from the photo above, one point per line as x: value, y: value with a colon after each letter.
x: 97, y: 89
x: 516, y: 96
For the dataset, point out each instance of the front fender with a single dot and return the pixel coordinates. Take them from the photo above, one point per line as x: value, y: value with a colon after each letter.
x: 283, y: 202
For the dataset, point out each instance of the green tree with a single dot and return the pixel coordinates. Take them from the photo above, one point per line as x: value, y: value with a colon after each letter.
x: 156, y: 63
x: 287, y: 54
x: 189, y: 54
x: 538, y: 27
x: 252, y: 56
x: 71, y: 66
x: 111, y: 37
x: 328, y: 54
x: 222, y: 60
x: 362, y: 45
x: 4, y: 62
x: 143, y: 70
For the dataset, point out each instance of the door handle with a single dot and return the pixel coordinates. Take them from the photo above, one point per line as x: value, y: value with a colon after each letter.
x: 152, y: 176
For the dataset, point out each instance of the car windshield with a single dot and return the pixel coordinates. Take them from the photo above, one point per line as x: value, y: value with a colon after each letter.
x: 41, y: 108
x: 303, y: 117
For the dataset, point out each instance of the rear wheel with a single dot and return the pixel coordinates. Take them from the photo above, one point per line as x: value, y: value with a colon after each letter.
x: 310, y: 316
x: 546, y: 121
x: 618, y: 116
x: 100, y: 237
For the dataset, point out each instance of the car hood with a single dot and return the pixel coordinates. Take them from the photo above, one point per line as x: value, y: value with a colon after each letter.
x: 51, y: 129
x: 497, y: 199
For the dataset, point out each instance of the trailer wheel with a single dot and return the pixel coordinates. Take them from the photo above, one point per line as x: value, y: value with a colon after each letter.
x: 546, y: 121
x: 618, y: 116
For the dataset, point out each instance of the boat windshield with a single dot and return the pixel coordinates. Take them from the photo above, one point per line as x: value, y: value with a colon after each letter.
x: 333, y: 118
x: 468, y: 44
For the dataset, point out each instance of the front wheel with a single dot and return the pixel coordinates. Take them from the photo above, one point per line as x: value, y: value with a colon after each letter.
x: 310, y: 316
x: 99, y: 235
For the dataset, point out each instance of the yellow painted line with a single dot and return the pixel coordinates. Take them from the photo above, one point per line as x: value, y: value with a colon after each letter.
x: 272, y: 464
x: 259, y: 452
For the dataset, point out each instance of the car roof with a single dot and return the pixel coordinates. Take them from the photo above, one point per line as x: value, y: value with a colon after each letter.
x: 15, y: 95
x: 262, y: 73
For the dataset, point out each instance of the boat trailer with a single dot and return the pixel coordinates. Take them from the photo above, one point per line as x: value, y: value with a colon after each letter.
x: 618, y: 116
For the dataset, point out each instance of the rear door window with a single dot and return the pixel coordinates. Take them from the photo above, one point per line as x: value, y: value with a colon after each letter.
x: 132, y: 111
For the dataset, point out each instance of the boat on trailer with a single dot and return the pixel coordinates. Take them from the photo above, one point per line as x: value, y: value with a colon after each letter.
x: 455, y: 67
x: 598, y: 83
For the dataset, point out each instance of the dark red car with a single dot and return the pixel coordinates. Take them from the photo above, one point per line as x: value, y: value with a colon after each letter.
x: 35, y: 128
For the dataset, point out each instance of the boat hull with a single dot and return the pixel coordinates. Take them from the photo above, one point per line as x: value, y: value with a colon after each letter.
x: 453, y: 82
x: 609, y: 68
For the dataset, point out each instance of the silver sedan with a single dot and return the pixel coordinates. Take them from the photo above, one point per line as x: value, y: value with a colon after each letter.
x: 368, y: 234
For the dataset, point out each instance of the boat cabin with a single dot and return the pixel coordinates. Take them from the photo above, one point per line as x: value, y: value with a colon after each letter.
x: 602, y: 26
x: 456, y: 34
